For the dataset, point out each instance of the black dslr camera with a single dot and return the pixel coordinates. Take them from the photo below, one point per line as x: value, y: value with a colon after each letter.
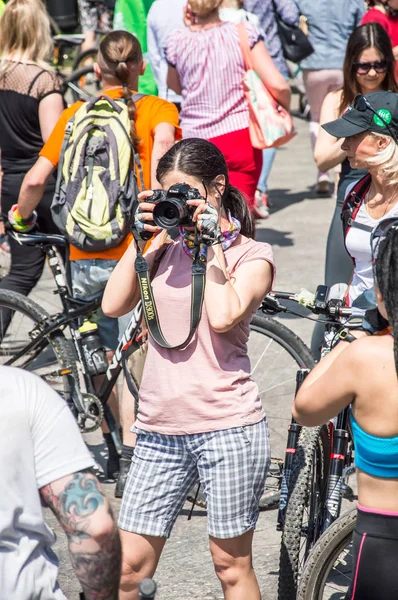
x: 171, y: 208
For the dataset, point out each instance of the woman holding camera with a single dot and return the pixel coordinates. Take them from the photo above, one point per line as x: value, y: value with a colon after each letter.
x: 200, y: 415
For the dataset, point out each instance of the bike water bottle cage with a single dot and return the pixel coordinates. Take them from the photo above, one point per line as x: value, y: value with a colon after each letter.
x: 148, y: 300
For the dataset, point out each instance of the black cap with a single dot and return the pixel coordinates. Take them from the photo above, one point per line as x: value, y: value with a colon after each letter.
x: 382, y: 119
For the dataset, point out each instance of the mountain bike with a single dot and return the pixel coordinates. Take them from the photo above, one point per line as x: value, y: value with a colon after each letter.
x: 38, y: 341
x: 327, y: 574
x: 318, y: 460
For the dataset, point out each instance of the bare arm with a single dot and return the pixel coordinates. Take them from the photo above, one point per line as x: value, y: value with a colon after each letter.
x: 163, y: 140
x: 50, y: 109
x: 328, y: 152
x: 228, y: 300
x: 33, y: 186
x: 94, y: 545
x: 173, y: 80
x: 329, y: 388
x: 270, y: 76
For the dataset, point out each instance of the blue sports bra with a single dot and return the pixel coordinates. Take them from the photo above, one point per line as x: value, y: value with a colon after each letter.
x: 375, y: 456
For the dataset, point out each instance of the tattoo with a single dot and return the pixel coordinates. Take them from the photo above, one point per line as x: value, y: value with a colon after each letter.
x: 82, y: 509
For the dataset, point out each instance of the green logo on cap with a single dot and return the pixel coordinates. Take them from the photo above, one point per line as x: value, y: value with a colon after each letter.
x: 385, y: 115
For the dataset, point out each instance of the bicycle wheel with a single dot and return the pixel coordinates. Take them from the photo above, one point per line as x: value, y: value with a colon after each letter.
x: 276, y: 354
x: 328, y: 572
x: 80, y: 85
x: 305, y: 506
x: 49, y: 358
x: 85, y: 59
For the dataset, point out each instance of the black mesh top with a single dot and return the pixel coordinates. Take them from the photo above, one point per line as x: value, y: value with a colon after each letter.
x: 22, y: 88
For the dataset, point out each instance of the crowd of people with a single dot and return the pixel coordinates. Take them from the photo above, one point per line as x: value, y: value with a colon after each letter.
x: 194, y: 141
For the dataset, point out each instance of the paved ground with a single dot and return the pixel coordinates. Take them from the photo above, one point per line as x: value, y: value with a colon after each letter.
x: 297, y: 230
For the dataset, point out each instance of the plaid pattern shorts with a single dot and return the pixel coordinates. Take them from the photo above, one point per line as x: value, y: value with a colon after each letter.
x: 230, y: 464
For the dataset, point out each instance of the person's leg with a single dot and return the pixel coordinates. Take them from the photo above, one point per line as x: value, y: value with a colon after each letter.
x: 268, y: 159
x: 89, y: 23
x: 232, y: 466
x: 234, y: 567
x: 162, y: 471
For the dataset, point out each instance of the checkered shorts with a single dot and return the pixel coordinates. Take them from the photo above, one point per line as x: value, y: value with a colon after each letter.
x: 231, y: 465
x: 94, y: 17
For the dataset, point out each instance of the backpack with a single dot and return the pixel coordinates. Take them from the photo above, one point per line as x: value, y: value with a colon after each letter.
x: 351, y: 206
x: 96, y: 190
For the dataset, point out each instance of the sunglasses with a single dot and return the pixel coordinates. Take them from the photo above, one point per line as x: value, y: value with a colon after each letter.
x: 363, y: 68
x: 378, y: 235
x: 362, y: 105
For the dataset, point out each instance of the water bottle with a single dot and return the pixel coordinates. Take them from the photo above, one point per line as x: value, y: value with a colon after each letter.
x: 93, y: 350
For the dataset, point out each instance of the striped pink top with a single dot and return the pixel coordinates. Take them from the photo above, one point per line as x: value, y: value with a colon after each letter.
x: 210, y: 66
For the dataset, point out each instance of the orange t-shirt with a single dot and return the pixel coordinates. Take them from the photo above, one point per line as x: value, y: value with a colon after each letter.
x: 151, y: 111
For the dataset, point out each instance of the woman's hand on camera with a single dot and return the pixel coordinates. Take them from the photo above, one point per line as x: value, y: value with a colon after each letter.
x: 143, y: 218
x: 207, y: 218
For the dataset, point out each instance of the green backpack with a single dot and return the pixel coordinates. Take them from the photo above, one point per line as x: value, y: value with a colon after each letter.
x: 96, y: 190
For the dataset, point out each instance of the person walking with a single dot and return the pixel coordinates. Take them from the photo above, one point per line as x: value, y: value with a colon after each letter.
x: 30, y: 105
x: 330, y: 24
x: 368, y: 67
x: 164, y: 16
x: 206, y: 66
x: 200, y: 416
x: 385, y: 12
x: 154, y: 128
x: 354, y: 375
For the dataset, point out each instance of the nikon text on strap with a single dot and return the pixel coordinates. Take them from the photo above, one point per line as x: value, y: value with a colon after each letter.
x: 148, y: 300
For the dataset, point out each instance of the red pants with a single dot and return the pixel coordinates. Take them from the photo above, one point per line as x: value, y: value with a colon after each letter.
x: 243, y: 161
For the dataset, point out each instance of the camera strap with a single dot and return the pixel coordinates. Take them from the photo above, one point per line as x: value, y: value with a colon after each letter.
x: 149, y: 304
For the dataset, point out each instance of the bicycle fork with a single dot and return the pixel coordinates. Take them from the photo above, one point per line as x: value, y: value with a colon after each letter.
x: 292, y: 439
x: 335, y: 479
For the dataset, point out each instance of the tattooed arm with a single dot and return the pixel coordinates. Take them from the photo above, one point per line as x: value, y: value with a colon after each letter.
x: 94, y: 544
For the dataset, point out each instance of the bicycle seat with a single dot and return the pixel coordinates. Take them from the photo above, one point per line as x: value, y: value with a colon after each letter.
x: 37, y: 238
x: 75, y: 39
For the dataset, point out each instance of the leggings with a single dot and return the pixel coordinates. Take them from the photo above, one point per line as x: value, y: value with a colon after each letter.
x: 375, y: 546
x: 243, y: 161
x: 27, y: 262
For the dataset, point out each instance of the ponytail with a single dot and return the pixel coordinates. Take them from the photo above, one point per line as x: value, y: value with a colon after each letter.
x: 234, y: 202
x: 117, y: 52
x: 387, y: 282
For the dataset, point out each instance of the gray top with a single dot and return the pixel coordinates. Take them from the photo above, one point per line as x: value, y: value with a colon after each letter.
x: 265, y: 10
x: 330, y: 24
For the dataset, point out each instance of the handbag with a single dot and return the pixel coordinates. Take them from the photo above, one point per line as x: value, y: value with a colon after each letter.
x: 295, y: 44
x: 270, y: 125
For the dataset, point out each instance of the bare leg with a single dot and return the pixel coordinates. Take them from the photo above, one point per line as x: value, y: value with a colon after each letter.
x: 89, y: 41
x: 140, y: 557
x: 232, y: 560
x: 127, y: 410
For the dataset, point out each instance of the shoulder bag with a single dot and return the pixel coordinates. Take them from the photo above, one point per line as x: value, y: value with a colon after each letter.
x: 270, y: 124
x: 295, y: 43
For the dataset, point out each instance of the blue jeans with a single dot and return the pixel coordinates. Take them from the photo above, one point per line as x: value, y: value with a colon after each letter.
x: 268, y: 159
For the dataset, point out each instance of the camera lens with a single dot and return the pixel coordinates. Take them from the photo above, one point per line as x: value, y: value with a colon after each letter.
x: 169, y: 213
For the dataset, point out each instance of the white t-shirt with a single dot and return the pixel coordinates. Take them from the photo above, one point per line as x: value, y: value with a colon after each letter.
x: 39, y: 443
x: 358, y: 245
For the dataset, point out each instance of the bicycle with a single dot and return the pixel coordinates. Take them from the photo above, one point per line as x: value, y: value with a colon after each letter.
x: 318, y: 460
x: 275, y: 352
x: 328, y: 572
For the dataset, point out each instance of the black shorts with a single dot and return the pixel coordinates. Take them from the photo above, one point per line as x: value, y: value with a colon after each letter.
x: 375, y: 545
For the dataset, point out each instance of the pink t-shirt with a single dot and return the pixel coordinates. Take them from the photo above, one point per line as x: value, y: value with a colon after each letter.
x: 206, y: 386
x: 211, y: 68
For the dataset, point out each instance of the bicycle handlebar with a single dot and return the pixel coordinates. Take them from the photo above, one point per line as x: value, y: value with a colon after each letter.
x: 332, y: 308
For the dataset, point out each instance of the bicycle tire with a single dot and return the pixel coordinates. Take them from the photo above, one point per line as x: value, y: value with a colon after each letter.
x: 83, y: 56
x: 64, y: 351
x: 312, y: 442
x: 324, y: 555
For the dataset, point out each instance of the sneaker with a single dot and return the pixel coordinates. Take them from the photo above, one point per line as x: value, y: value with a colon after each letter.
x: 261, y: 205
x: 322, y: 188
x: 125, y: 464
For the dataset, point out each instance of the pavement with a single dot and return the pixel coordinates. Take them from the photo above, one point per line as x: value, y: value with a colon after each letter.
x: 297, y: 230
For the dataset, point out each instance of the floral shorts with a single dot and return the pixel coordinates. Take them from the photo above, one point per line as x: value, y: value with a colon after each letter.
x: 95, y: 16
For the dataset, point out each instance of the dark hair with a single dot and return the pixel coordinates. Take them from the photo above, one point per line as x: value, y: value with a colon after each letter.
x: 387, y: 282
x: 370, y: 35
x: 203, y: 160
x: 116, y: 50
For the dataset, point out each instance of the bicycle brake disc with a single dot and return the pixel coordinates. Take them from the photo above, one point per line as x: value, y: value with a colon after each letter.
x: 94, y: 413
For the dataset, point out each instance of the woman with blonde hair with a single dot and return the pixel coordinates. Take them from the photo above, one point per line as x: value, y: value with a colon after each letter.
x: 30, y: 105
x: 206, y: 67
